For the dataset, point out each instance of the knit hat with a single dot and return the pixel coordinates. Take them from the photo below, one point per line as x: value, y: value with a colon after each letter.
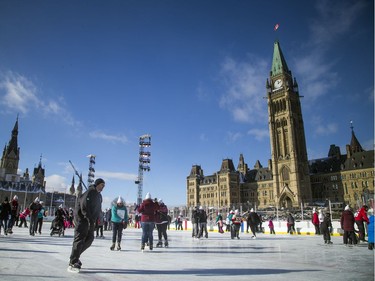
x: 347, y: 208
x: 41, y: 202
x: 60, y: 206
x: 98, y: 181
x: 119, y: 200
x: 252, y: 210
x: 148, y: 196
x: 36, y: 200
x: 15, y: 197
x: 160, y: 201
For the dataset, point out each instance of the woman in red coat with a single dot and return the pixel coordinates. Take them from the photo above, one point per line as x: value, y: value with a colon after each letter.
x: 347, y: 224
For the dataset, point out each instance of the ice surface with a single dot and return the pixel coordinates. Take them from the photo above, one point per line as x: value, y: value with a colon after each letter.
x: 269, y: 257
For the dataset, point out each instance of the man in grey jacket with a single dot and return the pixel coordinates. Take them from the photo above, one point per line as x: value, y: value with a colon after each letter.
x: 87, y: 211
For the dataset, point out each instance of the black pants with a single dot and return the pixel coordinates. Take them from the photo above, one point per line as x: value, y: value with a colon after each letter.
x: 253, y: 228
x: 349, y: 237
x: 162, y: 231
x: 99, y: 229
x: 117, y: 228
x: 361, y: 230
x: 326, y: 234
x: 39, y: 225
x: 22, y: 221
x: 317, y: 229
x: 83, y: 237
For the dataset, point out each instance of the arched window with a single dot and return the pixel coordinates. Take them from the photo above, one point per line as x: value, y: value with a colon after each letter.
x: 285, y: 173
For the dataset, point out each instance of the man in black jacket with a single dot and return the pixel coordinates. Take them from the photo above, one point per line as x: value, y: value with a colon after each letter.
x: 87, y: 211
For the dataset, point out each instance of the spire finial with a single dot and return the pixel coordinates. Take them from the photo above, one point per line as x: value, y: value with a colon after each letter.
x: 351, y: 125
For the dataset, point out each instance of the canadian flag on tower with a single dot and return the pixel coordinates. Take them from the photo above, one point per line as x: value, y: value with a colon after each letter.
x: 276, y: 27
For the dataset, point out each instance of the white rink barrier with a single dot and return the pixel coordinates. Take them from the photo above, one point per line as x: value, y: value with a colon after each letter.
x: 301, y: 227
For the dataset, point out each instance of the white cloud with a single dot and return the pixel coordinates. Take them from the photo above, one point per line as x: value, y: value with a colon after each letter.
x: 115, y: 175
x: 259, y: 134
x: 334, y: 19
x: 316, y: 69
x: 244, y: 89
x: 56, y: 183
x: 107, y: 137
x: 19, y: 94
x: 326, y: 129
x: 233, y: 137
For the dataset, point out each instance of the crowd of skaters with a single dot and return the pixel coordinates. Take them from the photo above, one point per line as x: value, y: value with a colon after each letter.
x: 153, y: 214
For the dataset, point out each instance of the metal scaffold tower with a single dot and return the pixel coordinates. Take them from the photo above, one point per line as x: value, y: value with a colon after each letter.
x: 91, y: 175
x: 144, y: 163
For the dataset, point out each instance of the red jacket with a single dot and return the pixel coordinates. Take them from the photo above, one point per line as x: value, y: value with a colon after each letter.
x: 347, y: 220
x: 361, y: 215
x: 315, y: 219
x: 148, y: 209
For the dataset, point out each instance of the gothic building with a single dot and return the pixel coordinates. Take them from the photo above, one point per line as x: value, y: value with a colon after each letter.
x: 11, y: 183
x: 290, y: 180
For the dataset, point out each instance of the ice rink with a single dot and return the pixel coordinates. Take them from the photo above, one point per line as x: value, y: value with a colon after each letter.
x: 269, y: 257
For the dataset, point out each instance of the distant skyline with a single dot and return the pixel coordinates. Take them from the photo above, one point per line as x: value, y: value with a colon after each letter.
x: 90, y: 77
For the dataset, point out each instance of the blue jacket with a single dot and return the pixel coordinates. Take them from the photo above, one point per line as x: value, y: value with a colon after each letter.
x: 370, y: 229
x: 119, y: 214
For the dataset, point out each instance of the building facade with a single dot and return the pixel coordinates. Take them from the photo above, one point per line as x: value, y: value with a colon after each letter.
x: 290, y: 181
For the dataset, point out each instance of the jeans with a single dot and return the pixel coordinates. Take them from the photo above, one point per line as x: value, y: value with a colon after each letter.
x: 147, y: 229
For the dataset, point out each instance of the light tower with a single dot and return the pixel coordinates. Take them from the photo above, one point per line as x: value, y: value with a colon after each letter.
x: 144, y: 163
x: 91, y: 175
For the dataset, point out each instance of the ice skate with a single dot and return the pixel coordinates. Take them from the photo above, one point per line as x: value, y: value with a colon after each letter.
x: 112, y: 247
x: 118, y: 247
x: 159, y: 244
x: 142, y: 247
x: 166, y: 244
x: 74, y: 268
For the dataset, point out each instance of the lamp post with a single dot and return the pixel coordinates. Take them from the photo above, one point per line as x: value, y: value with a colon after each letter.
x: 144, y: 163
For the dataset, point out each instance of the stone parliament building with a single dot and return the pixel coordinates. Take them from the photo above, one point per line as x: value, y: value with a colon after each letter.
x: 291, y: 180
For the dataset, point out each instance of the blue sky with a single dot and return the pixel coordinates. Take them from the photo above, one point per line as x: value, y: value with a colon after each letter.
x: 90, y: 77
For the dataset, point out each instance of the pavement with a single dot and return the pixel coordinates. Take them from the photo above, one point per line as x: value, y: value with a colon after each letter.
x: 269, y: 257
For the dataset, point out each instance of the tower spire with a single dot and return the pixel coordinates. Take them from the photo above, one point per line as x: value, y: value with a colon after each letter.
x: 355, y: 146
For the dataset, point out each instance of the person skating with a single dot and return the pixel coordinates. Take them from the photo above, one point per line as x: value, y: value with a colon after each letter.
x: 361, y: 218
x: 89, y: 206
x: 347, y: 224
x: 236, y: 225
x: 162, y: 224
x: 119, y: 219
x: 14, y: 213
x: 34, y: 209
x: 148, y: 209
x: 253, y: 220
x: 325, y: 228
x: 5, y: 212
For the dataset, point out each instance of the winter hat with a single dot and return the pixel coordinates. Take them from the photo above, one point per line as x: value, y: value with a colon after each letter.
x: 236, y: 212
x: 314, y: 210
x: 160, y: 201
x: 347, y: 208
x: 200, y: 208
x: 36, y: 200
x: 148, y: 196
x: 252, y: 210
x: 60, y: 206
x: 98, y: 181
x: 119, y: 200
x: 41, y: 202
x: 370, y: 212
x: 15, y: 197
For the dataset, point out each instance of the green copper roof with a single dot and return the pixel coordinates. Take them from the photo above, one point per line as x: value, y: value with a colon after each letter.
x: 278, y: 62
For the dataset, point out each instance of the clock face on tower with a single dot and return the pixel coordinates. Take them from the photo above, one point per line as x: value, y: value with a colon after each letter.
x: 278, y: 83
